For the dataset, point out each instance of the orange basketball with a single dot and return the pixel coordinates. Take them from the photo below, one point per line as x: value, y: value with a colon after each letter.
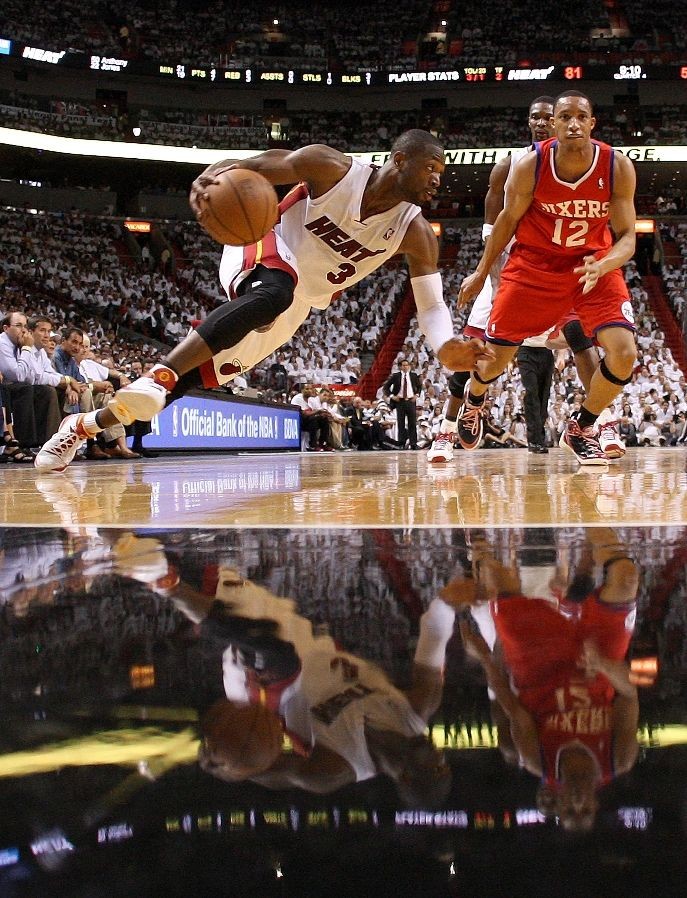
x: 242, y: 739
x: 240, y: 208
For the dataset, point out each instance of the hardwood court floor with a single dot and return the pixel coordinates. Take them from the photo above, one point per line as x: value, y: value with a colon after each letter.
x: 351, y: 489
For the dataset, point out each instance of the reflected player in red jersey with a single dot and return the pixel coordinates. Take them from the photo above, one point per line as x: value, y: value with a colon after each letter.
x: 561, y: 203
x: 557, y: 672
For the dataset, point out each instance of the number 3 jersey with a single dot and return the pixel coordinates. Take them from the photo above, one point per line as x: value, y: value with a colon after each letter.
x: 322, y: 242
x: 569, y: 220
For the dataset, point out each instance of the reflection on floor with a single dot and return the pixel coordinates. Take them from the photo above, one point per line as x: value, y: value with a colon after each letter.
x: 378, y: 489
x: 255, y: 704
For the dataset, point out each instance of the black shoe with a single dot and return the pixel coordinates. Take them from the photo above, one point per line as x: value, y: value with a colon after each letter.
x: 146, y: 453
x: 470, y: 429
x: 582, y: 443
x: 537, y: 448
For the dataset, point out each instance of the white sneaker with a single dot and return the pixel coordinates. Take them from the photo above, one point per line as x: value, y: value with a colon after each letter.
x: 60, y: 449
x: 441, y: 449
x: 139, y: 401
x: 609, y: 440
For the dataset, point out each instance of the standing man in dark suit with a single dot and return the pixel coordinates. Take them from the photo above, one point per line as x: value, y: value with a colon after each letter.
x: 403, y: 390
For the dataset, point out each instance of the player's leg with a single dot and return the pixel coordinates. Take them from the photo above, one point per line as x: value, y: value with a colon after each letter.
x: 587, y: 361
x: 614, y: 371
x: 470, y: 424
x: 441, y: 449
x: 147, y: 396
x: 261, y: 297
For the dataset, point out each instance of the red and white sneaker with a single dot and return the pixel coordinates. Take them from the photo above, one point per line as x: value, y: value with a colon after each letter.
x: 59, y: 451
x: 140, y: 400
x: 609, y: 440
x: 582, y: 443
x: 441, y: 449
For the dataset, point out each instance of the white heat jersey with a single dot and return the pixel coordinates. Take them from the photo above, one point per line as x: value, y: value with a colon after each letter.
x: 323, y: 241
x: 333, y: 248
x: 343, y: 694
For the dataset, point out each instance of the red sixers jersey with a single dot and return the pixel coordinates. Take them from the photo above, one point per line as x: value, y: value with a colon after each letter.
x: 568, y: 220
x: 584, y: 714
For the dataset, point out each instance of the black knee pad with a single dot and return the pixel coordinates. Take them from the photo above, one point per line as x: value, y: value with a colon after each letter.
x: 576, y: 338
x: 457, y: 382
x: 486, y: 383
x: 265, y: 294
x: 603, y: 368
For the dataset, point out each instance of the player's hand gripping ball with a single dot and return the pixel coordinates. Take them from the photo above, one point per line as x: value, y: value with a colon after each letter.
x: 239, y: 741
x: 237, y: 207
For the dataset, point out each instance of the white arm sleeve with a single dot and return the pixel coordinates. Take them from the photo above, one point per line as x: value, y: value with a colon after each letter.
x: 433, y: 315
x: 436, y: 628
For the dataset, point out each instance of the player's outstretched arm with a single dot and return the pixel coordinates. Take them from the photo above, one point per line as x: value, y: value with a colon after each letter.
x: 518, y: 199
x: 322, y: 772
x: 436, y: 629
x: 320, y: 166
x: 622, y: 218
x: 422, y: 252
x: 522, y: 726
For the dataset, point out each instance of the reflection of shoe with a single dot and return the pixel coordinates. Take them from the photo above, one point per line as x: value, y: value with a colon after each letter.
x: 441, y: 449
x: 609, y: 440
x: 470, y: 428
x: 62, y: 495
x: 60, y: 449
x: 139, y: 401
x: 582, y: 443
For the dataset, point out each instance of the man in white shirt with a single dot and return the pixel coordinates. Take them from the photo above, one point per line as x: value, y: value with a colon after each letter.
x: 94, y: 372
x: 35, y: 407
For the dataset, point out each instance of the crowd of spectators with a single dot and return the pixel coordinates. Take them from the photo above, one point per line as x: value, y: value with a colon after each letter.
x: 348, y: 130
x: 675, y: 275
x: 74, y: 271
x: 387, y: 36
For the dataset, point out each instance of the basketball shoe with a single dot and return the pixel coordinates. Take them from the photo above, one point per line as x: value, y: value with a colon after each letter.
x: 441, y: 449
x: 609, y: 436
x: 59, y: 451
x: 582, y: 443
x: 470, y: 428
x: 144, y: 398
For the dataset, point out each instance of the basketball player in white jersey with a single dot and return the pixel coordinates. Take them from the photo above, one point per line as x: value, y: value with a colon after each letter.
x: 342, y: 221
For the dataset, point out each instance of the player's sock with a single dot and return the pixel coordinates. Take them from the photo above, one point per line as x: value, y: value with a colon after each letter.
x: 164, y: 375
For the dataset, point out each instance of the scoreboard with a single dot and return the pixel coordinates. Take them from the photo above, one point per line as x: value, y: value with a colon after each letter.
x: 261, y: 76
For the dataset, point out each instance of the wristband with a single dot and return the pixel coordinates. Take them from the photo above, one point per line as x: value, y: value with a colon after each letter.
x: 486, y: 231
x: 26, y: 349
x: 67, y: 379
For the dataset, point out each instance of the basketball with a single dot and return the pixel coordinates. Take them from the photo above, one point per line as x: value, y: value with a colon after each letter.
x: 242, y: 740
x: 240, y: 208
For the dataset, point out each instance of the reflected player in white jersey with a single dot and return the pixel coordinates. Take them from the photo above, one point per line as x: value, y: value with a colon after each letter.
x: 343, y: 220
x: 346, y: 719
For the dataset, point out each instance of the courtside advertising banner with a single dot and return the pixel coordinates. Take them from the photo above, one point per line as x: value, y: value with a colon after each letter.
x: 198, y: 422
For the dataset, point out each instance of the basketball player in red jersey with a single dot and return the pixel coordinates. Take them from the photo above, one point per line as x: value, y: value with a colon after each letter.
x: 558, y: 673
x: 342, y: 221
x: 561, y: 202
